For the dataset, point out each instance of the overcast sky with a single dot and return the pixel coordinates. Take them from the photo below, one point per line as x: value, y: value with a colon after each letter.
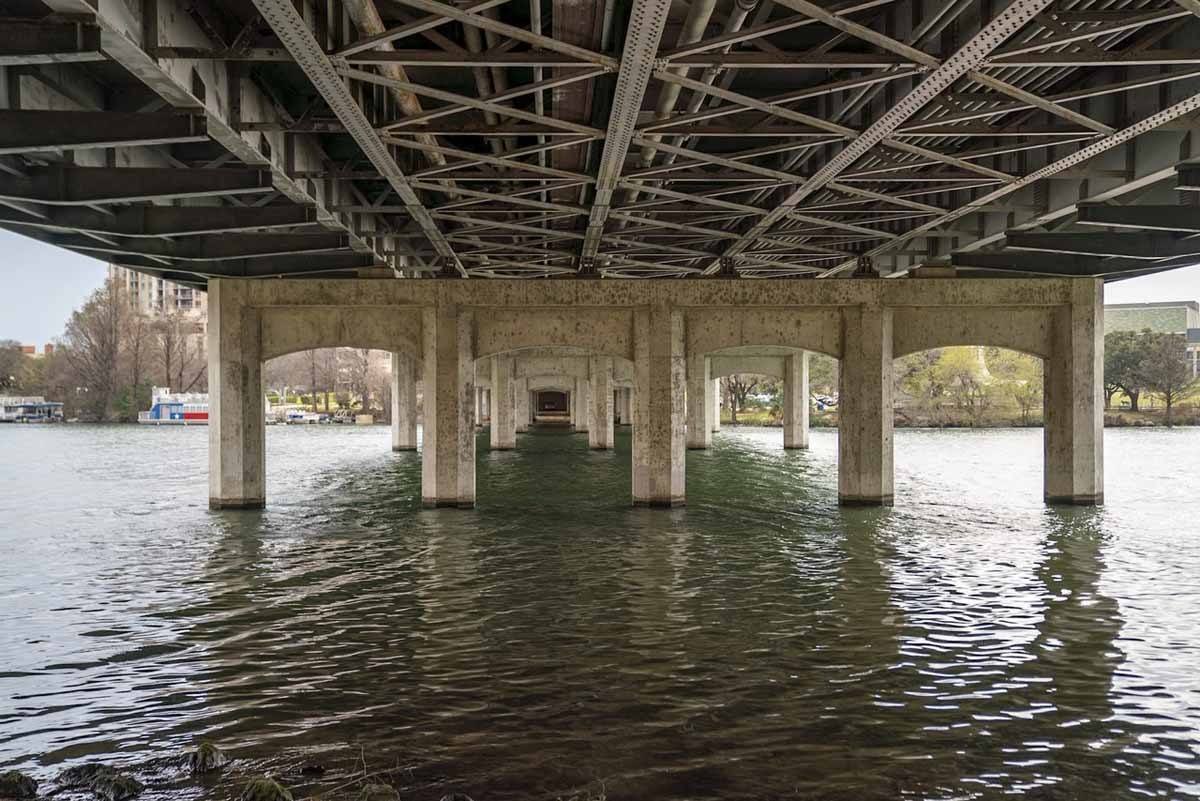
x: 40, y: 285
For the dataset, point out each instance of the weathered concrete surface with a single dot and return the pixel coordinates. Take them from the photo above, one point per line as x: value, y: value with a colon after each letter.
x: 237, y: 438
x: 521, y: 404
x: 1074, y: 401
x: 658, y: 407
x: 600, y: 426
x: 714, y: 401
x: 503, y: 433
x: 865, y: 472
x: 580, y: 405
x: 699, y: 407
x: 404, y: 402
x: 653, y: 332
x: 448, y: 450
x: 795, y: 401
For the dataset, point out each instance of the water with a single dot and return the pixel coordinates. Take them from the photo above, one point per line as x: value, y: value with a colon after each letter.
x: 760, y: 643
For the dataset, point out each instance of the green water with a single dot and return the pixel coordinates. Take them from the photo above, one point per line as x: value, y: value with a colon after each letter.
x: 758, y: 643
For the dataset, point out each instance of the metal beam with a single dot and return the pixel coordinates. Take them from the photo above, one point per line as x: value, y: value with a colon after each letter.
x: 24, y: 41
x: 213, y: 247
x: 42, y: 131
x: 647, y: 20
x: 1185, y: 219
x: 1151, y: 245
x: 960, y: 63
x: 265, y: 267
x: 154, y: 221
x: 293, y: 31
x: 1057, y: 264
x: 60, y: 185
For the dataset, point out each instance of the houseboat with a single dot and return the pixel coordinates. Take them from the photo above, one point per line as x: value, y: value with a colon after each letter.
x: 31, y: 409
x: 175, y: 408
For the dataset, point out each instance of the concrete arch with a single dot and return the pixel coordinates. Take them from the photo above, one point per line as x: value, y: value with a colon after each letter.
x: 817, y: 329
x: 1025, y: 329
x: 552, y: 383
x: 287, y: 329
x: 769, y: 361
x: 595, y: 332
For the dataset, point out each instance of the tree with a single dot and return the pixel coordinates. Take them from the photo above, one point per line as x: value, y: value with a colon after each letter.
x: 1020, y: 378
x: 179, y: 347
x: 1123, y: 354
x: 961, y: 372
x: 12, y: 365
x: 1165, y: 369
x: 93, y: 349
x: 822, y: 373
x: 915, y: 376
x: 737, y: 388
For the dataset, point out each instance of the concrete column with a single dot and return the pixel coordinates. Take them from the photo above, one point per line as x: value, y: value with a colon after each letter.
x: 448, y: 446
x: 795, y: 400
x: 699, y: 422
x: 404, y: 402
x: 237, y: 440
x: 1074, y: 399
x: 715, y: 400
x: 600, y: 427
x: 521, y: 404
x: 865, y: 407
x: 504, y: 421
x: 579, y: 405
x: 658, y: 407
x: 478, y: 413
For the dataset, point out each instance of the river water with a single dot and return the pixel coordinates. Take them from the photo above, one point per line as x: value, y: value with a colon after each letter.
x: 760, y: 643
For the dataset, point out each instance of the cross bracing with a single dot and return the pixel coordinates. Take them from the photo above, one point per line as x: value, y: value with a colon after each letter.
x: 605, y: 138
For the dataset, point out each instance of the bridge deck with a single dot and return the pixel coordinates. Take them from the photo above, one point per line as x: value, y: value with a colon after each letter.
x: 618, y: 138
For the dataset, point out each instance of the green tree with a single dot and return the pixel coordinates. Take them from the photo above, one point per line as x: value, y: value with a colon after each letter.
x: 12, y: 365
x: 1165, y: 369
x: 916, y: 377
x: 961, y: 372
x: 1019, y: 377
x: 737, y: 388
x: 1123, y: 355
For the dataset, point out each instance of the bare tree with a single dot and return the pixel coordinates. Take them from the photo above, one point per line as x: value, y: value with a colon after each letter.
x: 93, y: 348
x: 737, y: 388
x: 1165, y: 369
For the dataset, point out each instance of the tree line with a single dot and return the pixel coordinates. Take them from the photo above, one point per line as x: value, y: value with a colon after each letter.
x: 111, y: 354
x: 1137, y: 362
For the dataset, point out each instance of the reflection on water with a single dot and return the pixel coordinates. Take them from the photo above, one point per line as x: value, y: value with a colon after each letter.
x: 759, y: 643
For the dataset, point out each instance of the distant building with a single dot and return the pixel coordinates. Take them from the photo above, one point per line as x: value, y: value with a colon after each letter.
x: 32, y: 351
x: 157, y: 297
x: 1170, y: 317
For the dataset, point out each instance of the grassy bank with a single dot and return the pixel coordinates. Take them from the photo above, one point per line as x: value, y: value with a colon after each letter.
x: 954, y: 418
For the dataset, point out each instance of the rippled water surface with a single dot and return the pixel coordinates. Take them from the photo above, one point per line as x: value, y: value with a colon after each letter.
x: 760, y: 643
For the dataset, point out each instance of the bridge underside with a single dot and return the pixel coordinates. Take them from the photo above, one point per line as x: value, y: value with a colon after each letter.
x: 645, y: 353
x: 196, y: 139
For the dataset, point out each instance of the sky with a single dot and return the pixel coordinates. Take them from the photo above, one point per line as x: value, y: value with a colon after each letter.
x: 41, y: 285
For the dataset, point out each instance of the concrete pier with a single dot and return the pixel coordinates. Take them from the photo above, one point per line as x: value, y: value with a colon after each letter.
x: 521, y: 404
x: 865, y: 408
x: 600, y: 426
x: 658, y: 407
x: 237, y: 430
x: 503, y: 431
x: 699, y: 402
x: 448, y: 450
x: 404, y: 402
x: 795, y: 401
x: 580, y: 406
x: 657, y: 343
x: 713, y: 410
x: 1074, y: 401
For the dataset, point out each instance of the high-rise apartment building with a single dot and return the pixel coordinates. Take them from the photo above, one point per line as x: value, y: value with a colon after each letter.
x: 158, y: 297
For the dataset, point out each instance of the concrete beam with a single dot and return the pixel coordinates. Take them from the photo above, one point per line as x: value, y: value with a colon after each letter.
x: 49, y: 131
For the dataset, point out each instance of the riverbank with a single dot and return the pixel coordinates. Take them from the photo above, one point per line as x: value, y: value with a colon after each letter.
x: 1115, y: 418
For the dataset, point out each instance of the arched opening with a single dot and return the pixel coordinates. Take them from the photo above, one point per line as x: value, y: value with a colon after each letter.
x: 762, y: 386
x: 551, y: 406
x: 941, y: 394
